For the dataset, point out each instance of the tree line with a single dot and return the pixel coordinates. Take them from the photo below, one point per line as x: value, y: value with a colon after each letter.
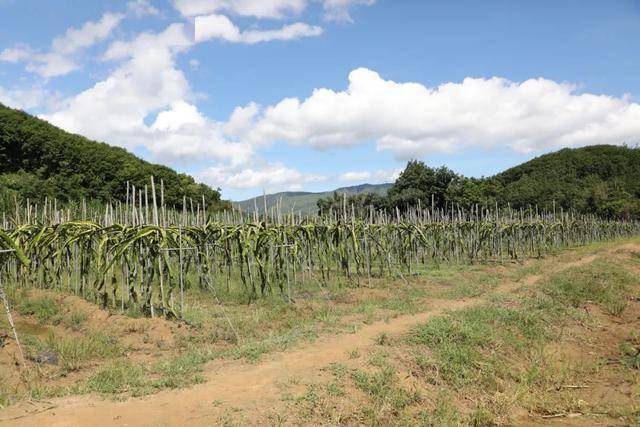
x: 603, y: 180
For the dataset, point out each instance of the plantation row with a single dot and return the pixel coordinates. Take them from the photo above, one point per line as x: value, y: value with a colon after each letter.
x: 147, y: 268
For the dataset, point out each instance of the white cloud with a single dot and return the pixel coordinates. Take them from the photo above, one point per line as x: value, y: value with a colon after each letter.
x: 334, y: 10
x: 219, y: 26
x: 51, y: 65
x: 172, y: 40
x: 148, y: 82
x: 386, y: 175
x: 355, y: 176
x: 272, y: 177
x: 147, y: 102
x: 29, y: 98
x: 142, y: 8
x: 410, y: 119
x: 60, y: 59
x: 20, y: 52
x: 256, y: 8
x: 338, y: 10
x: 378, y: 176
x: 241, y: 119
x: 87, y: 35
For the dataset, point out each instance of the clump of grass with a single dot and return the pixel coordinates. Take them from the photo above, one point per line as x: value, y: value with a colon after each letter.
x: 75, y: 320
x: 382, y: 386
x: 444, y: 413
x: 603, y: 282
x: 195, y: 316
x: 464, y: 341
x: 378, y: 359
x: 125, y: 377
x: 7, y: 393
x: 43, y: 308
x: 630, y: 350
x: 383, y: 339
x: 181, y: 371
x: 472, y: 283
x: 75, y: 352
x: 116, y: 378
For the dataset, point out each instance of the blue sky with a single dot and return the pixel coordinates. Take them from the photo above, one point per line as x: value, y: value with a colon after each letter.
x: 249, y: 95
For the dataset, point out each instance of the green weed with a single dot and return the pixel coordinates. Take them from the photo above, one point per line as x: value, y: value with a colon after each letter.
x: 43, y: 308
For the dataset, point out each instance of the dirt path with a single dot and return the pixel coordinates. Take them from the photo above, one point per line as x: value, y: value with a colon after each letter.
x: 237, y: 384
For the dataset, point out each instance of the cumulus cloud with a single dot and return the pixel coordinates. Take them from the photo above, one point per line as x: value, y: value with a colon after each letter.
x: 378, y: 176
x: 141, y: 8
x: 410, y: 119
x: 29, y: 98
x: 20, y: 52
x: 272, y: 177
x: 334, y: 10
x: 256, y: 8
x: 75, y: 39
x: 148, y: 81
x: 174, y: 39
x: 338, y: 10
x: 355, y: 176
x: 220, y: 27
x: 60, y: 59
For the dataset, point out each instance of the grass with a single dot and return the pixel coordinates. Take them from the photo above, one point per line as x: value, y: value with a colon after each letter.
x: 116, y: 378
x: 630, y: 350
x: 75, y: 320
x: 75, y: 352
x: 464, y: 282
x: 43, y: 309
x: 124, y: 377
x: 604, y: 282
x: 463, y: 345
x: 473, y: 346
x: 387, y: 396
x: 444, y: 413
x: 483, y: 361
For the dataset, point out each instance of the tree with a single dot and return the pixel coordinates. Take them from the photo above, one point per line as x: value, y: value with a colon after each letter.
x: 419, y: 183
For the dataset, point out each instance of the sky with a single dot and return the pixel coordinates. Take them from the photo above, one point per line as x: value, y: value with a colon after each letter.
x: 272, y: 95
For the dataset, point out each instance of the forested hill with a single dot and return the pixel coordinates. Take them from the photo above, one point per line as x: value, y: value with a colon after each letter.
x: 600, y: 179
x: 39, y: 160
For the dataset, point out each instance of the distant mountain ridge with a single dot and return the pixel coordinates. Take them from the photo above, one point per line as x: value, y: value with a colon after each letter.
x: 303, y: 200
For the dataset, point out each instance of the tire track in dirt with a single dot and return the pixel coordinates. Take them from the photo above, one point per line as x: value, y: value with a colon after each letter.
x: 237, y: 384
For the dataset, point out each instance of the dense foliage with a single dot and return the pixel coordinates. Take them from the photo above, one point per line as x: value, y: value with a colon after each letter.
x: 39, y: 160
x: 602, y: 180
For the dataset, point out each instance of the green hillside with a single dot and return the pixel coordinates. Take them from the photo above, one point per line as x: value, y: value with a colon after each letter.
x: 39, y: 160
x: 306, y: 201
x: 601, y: 179
x: 598, y: 179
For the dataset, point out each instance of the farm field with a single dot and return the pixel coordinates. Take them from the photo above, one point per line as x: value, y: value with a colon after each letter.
x: 541, y: 341
x: 319, y: 213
